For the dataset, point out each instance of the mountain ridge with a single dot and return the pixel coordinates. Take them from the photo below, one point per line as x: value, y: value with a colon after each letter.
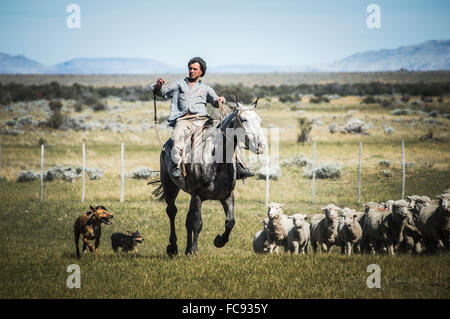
x: 426, y: 56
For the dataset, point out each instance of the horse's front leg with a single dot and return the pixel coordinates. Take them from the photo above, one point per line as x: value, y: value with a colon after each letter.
x: 228, y: 206
x: 193, y: 224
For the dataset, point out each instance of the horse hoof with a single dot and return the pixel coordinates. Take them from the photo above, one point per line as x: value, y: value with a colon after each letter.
x: 172, y: 250
x: 190, y: 252
x: 219, y: 242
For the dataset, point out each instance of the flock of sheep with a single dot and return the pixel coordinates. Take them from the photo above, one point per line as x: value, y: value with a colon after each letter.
x: 418, y: 225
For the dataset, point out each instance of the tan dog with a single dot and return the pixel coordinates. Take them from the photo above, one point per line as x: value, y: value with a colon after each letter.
x: 89, y: 224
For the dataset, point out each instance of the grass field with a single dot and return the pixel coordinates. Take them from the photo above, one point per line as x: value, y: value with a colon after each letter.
x: 36, y: 239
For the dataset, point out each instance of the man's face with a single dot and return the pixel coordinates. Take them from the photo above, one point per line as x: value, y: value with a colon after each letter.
x: 195, y: 71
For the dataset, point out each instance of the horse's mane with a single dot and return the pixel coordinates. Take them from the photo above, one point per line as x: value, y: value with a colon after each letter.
x: 228, y: 119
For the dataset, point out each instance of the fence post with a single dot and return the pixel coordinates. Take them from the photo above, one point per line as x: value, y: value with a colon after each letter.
x: 314, y: 172
x: 84, y: 173
x: 42, y: 173
x: 359, y: 172
x: 122, y: 173
x: 403, y: 169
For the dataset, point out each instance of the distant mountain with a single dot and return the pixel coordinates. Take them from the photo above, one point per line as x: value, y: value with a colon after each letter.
x: 12, y: 64
x: 20, y: 64
x: 430, y: 55
x: 427, y: 56
x: 114, y: 66
x: 254, y: 68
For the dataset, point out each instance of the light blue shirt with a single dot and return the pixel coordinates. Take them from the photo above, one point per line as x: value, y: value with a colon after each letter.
x: 187, y: 99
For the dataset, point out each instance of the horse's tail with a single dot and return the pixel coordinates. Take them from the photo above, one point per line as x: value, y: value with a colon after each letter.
x: 158, y: 192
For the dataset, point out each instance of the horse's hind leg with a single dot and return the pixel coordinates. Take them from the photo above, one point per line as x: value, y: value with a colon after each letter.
x: 228, y: 206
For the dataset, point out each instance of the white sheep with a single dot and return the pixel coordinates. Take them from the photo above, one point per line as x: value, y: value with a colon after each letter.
x: 278, y: 227
x: 434, y: 223
x: 374, y: 235
x: 298, y: 236
x: 323, y: 228
x: 260, y: 243
x: 349, y: 231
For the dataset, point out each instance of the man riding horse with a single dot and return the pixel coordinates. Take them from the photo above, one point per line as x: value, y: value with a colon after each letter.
x: 188, y: 110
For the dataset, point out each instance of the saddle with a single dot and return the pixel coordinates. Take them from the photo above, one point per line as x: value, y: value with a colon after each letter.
x: 194, y: 139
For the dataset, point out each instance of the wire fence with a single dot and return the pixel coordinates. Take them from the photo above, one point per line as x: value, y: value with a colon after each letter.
x: 267, y: 179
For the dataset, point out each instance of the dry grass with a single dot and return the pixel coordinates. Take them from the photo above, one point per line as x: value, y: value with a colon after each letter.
x: 36, y: 238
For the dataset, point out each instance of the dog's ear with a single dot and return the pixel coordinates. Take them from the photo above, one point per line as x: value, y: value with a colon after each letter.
x: 92, y: 208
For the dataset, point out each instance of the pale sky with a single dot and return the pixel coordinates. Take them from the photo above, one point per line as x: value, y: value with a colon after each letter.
x: 282, y: 32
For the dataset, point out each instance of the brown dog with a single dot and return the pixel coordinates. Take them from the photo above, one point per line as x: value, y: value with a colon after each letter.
x: 89, y: 224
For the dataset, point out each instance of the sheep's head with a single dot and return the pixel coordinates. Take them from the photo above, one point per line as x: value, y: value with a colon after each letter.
x: 299, y: 219
x: 274, y: 210
x: 444, y: 202
x: 389, y: 204
x: 400, y: 208
x: 349, y: 216
x: 416, y: 202
x: 331, y: 211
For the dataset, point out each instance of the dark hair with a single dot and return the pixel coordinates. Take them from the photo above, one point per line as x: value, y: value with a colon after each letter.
x: 200, y: 61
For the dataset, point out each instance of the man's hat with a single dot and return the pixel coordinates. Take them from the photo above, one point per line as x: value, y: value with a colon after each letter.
x: 200, y: 61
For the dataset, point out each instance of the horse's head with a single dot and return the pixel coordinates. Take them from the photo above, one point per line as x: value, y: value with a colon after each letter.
x: 247, y: 126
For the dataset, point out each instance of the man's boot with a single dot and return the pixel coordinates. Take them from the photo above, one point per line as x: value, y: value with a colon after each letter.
x: 242, y: 172
x: 176, y: 173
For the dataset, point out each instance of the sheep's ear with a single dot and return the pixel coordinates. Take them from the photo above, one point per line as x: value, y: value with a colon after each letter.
x: 290, y: 217
x: 408, y: 197
x: 281, y: 205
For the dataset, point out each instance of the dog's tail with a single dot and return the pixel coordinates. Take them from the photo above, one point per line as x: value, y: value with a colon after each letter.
x: 158, y: 192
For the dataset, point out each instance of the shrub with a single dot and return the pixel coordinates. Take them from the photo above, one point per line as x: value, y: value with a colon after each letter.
x: 78, y: 107
x: 55, y: 105
x: 319, y: 99
x: 384, y: 163
x: 323, y: 171
x: 27, y: 176
x: 369, y: 100
x: 305, y: 130
x: 99, y: 106
x: 55, y: 120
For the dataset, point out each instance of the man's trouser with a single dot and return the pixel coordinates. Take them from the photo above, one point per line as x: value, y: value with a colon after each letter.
x: 184, y: 127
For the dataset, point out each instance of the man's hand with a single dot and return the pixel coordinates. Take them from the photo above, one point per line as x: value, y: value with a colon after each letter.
x: 159, y: 84
x: 221, y: 99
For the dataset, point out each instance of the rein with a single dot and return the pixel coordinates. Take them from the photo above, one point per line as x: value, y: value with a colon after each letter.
x: 156, y: 118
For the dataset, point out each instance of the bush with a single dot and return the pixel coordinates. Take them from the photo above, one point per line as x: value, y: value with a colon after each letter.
x: 27, y: 176
x: 305, y: 130
x: 323, y: 171
x: 99, y: 106
x: 78, y: 107
x: 55, y: 120
x: 369, y: 100
x: 55, y: 105
x: 319, y: 99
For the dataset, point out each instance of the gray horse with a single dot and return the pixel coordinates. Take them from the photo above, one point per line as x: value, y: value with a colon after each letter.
x: 212, y: 176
